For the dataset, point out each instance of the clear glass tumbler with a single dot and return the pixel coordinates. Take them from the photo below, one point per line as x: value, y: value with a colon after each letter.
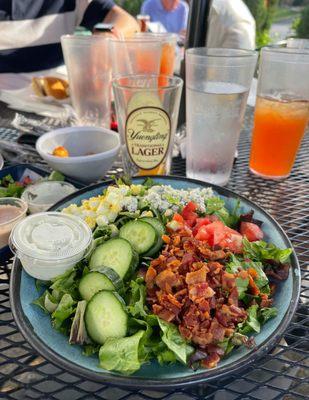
x: 147, y: 112
x: 217, y: 87
x: 281, y: 111
x: 89, y: 70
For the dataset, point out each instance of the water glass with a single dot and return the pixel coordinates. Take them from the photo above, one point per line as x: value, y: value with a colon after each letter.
x: 135, y: 56
x: 147, y: 112
x: 217, y: 87
x: 89, y: 70
x: 281, y: 111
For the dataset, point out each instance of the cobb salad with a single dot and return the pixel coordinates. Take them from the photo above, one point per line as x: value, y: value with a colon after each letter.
x: 173, y: 276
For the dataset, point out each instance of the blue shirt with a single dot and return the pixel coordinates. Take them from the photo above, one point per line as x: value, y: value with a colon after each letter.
x: 173, y: 21
x: 30, y: 30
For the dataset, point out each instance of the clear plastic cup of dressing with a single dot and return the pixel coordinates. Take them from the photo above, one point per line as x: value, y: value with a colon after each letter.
x: 50, y: 243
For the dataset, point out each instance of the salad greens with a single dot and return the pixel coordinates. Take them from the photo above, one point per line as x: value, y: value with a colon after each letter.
x: 216, y: 206
x: 147, y: 335
x: 11, y: 188
x: 262, y: 251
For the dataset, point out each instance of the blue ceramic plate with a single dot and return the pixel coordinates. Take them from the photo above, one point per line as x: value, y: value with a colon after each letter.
x: 36, y: 326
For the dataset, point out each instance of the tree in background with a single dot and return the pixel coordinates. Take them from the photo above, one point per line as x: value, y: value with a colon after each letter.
x: 301, y: 25
x: 263, y: 12
x: 133, y: 7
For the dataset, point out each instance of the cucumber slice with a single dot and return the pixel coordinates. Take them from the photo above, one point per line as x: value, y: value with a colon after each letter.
x: 103, y: 278
x: 112, y: 276
x: 116, y: 254
x: 140, y: 234
x: 159, y: 227
x: 105, y: 317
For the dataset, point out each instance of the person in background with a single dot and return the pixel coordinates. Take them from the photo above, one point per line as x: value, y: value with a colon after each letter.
x: 230, y: 25
x: 173, y: 14
x: 30, y: 30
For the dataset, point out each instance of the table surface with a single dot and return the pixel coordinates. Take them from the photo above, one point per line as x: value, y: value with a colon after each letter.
x: 282, y: 374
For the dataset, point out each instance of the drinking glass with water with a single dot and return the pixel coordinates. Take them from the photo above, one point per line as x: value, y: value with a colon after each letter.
x: 217, y: 87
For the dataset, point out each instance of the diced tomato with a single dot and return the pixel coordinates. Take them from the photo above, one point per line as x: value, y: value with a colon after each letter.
x: 189, y: 207
x: 177, y: 217
x: 216, y: 232
x: 202, y: 234
x: 200, y: 222
x: 213, y: 217
x: 251, y: 231
x: 232, y: 242
x: 27, y: 180
x: 189, y: 213
x: 212, y: 233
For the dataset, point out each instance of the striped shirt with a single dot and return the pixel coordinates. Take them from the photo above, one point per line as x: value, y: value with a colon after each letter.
x: 30, y: 30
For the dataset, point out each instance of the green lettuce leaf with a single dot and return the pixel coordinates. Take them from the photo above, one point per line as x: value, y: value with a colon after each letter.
x: 262, y: 251
x: 252, y: 323
x: 66, y: 283
x: 267, y: 313
x: 234, y: 265
x: 121, y: 355
x: 174, y: 341
x: 137, y: 298
x: 56, y: 176
x: 261, y: 279
x: 105, y: 232
x: 227, y: 345
x: 78, y: 333
x: 215, y: 205
x: 90, y: 349
x: 166, y: 357
x: 46, y: 302
x: 63, y: 312
x: 242, y: 286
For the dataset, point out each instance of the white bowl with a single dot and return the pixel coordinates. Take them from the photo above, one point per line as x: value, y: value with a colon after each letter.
x: 102, y: 145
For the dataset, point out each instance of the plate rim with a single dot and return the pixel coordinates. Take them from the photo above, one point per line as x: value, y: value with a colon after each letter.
x: 132, y: 381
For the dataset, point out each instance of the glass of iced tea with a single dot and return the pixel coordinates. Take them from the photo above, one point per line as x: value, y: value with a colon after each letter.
x: 281, y: 111
x: 135, y: 56
x: 168, y: 55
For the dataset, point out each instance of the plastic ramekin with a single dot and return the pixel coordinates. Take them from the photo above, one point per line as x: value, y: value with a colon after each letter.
x: 50, y: 243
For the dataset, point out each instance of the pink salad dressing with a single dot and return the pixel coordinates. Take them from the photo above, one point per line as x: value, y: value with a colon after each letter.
x: 8, y: 213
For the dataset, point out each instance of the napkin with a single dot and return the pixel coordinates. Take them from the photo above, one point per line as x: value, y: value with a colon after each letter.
x: 16, y: 91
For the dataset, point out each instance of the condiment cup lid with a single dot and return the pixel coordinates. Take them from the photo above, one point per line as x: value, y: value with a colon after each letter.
x: 50, y: 236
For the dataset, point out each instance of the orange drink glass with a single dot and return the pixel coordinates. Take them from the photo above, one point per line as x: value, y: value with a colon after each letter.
x: 168, y: 55
x: 135, y: 56
x: 147, y: 112
x: 281, y: 111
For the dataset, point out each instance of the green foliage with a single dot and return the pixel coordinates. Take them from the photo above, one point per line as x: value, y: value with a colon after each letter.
x: 133, y: 7
x: 263, y: 14
x: 297, y: 3
x: 302, y: 28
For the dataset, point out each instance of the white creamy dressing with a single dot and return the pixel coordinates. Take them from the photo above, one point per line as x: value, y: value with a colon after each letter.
x: 50, y: 243
x: 51, y: 237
